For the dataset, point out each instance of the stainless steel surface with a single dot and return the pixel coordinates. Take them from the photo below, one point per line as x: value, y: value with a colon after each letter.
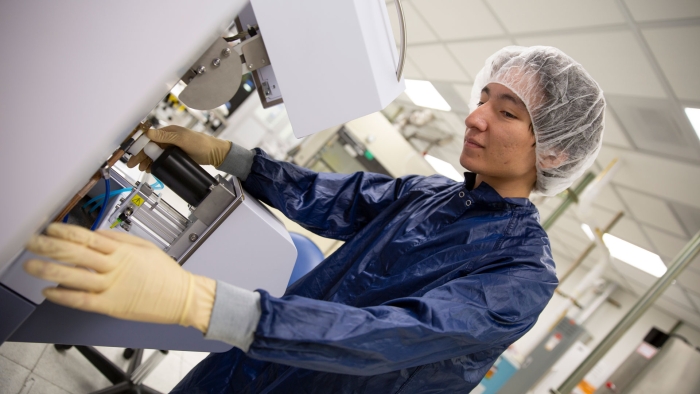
x: 253, y: 49
x: 682, y: 260
x: 673, y: 370
x: 404, y: 40
x: 182, y: 248
x: 220, y: 196
x: 212, y: 87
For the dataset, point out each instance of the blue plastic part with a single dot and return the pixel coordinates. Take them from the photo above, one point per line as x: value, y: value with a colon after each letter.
x: 308, y: 256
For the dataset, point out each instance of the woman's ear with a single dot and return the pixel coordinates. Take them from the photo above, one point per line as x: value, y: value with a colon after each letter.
x: 552, y: 159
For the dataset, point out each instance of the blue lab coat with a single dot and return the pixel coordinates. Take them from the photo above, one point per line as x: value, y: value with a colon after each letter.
x: 434, y: 281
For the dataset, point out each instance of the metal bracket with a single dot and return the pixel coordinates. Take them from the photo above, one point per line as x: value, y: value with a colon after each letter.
x: 213, y: 80
x: 254, y: 52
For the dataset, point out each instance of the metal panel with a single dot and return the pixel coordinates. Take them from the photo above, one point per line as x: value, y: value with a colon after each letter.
x: 543, y: 357
x: 673, y: 370
x: 14, y: 310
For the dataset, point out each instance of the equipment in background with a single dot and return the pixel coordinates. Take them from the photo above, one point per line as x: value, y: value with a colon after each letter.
x: 673, y: 370
x: 369, y: 144
x: 566, y: 333
x: 632, y: 368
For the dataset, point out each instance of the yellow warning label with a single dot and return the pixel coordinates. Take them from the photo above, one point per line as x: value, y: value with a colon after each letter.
x: 137, y: 200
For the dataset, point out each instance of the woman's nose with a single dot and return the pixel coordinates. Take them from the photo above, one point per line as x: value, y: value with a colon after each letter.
x: 476, y: 120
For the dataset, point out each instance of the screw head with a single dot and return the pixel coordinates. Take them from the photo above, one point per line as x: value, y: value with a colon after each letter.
x: 201, y: 70
x: 216, y: 62
x: 250, y: 66
x: 226, y: 52
x: 194, y: 237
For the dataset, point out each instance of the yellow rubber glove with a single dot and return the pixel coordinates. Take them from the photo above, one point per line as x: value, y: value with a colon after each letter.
x: 126, y: 277
x: 202, y: 148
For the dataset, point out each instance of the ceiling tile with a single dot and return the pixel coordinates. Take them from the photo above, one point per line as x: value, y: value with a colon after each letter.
x: 678, y: 53
x: 677, y: 294
x: 454, y: 99
x: 689, y: 316
x: 662, y: 177
x: 696, y: 300
x: 689, y: 217
x: 667, y: 244
x: 651, y: 10
x: 641, y: 283
x: 629, y: 230
x: 614, y: 59
x: 417, y: 30
x: 453, y: 20
x: 651, y: 210
x: 436, y: 63
x: 657, y: 126
x: 410, y: 70
x: 464, y: 91
x: 613, y: 133
x: 637, y: 278
x: 695, y: 264
x: 601, y: 217
x: 608, y: 199
x: 529, y: 16
x: 690, y: 280
x: 472, y: 55
x: 576, y: 244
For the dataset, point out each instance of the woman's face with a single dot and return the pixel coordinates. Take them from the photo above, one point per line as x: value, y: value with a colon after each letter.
x: 499, y: 141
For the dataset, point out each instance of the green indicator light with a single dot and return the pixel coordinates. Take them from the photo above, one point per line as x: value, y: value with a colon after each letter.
x: 369, y: 155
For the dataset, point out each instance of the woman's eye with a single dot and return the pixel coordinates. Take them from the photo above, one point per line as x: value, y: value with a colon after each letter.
x: 509, y: 115
x: 480, y: 103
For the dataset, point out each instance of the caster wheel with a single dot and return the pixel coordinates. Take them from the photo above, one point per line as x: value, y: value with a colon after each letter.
x: 128, y: 352
x: 62, y: 347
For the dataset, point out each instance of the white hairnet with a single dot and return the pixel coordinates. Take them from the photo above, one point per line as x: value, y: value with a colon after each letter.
x: 565, y: 104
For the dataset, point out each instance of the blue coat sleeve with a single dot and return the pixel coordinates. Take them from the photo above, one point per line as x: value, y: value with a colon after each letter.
x: 328, y: 204
x: 486, y: 309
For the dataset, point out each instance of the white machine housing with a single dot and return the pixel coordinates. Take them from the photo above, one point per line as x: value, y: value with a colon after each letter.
x: 77, y: 78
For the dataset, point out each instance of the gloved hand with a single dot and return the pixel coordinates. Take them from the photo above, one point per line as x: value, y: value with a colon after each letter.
x: 126, y: 277
x: 202, y: 148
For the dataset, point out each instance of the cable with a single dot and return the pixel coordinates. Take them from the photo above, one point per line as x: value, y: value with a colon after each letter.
x: 158, y: 185
x: 104, y: 204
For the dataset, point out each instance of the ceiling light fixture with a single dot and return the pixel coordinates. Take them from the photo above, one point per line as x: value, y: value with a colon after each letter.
x: 444, y: 168
x: 694, y: 116
x: 424, y: 94
x: 635, y: 256
x: 587, y: 229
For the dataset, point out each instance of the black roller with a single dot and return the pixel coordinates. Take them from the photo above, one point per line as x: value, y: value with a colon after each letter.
x: 181, y: 174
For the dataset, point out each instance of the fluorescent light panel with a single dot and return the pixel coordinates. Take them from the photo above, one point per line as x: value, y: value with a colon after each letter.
x: 423, y: 93
x: 587, y: 229
x: 444, y: 168
x: 635, y: 256
x: 694, y: 116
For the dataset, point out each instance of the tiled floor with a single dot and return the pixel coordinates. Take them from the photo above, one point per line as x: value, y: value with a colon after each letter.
x: 37, y: 368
